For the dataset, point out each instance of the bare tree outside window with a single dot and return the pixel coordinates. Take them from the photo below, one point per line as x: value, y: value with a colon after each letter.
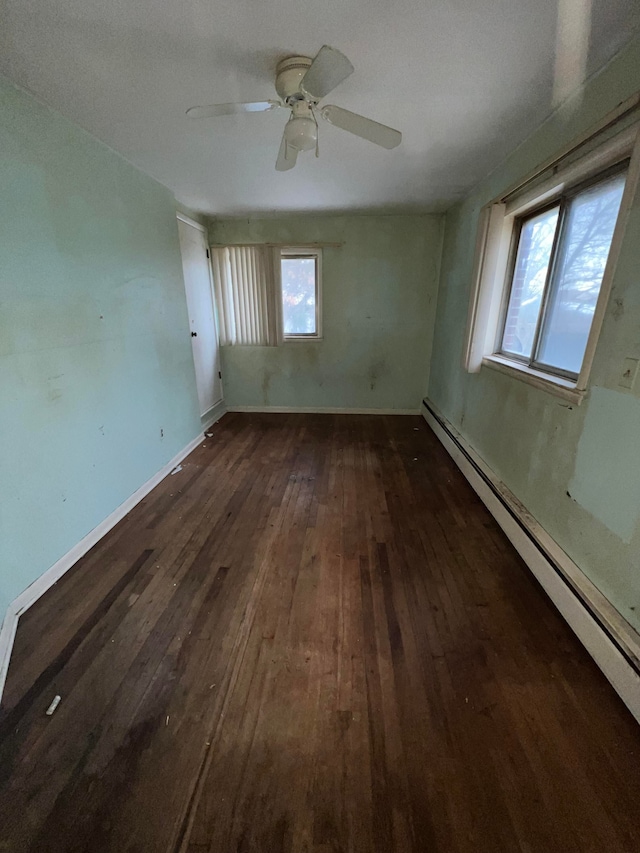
x: 529, y: 277
x: 557, y: 272
x: 582, y: 258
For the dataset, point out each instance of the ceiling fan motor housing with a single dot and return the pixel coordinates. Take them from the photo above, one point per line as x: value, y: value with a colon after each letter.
x: 289, y: 74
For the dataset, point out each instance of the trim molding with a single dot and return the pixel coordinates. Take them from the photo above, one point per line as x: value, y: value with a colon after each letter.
x: 322, y: 410
x: 189, y: 221
x: 610, y: 640
x: 546, y: 382
x: 214, y: 414
x: 53, y: 574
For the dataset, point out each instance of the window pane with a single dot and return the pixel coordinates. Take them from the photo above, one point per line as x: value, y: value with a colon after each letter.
x: 299, y: 296
x: 529, y: 276
x: 591, y: 218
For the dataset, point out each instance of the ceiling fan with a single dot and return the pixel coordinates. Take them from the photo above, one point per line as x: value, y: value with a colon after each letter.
x: 301, y: 84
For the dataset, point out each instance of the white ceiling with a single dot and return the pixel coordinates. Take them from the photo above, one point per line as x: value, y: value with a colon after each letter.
x: 464, y: 80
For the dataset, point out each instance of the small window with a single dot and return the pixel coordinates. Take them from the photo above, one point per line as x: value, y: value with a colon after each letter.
x: 558, y: 261
x: 301, y: 294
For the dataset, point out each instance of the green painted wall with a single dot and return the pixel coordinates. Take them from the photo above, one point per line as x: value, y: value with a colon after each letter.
x: 576, y: 469
x: 95, y: 356
x: 379, y: 306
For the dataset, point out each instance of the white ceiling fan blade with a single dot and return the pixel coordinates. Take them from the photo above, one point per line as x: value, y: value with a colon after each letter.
x: 375, y: 132
x: 328, y: 69
x: 232, y: 109
x: 287, y: 156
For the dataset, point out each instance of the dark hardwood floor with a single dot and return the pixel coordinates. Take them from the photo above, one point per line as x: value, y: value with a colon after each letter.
x: 311, y: 638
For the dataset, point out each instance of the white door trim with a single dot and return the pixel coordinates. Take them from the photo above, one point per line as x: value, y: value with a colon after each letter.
x: 188, y: 221
x: 201, y: 310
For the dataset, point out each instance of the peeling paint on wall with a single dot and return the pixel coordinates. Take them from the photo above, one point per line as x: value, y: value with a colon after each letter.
x: 606, y: 480
x: 379, y: 293
x: 575, y: 468
x: 97, y: 389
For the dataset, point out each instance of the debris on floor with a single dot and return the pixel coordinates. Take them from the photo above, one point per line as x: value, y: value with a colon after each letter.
x: 54, y: 704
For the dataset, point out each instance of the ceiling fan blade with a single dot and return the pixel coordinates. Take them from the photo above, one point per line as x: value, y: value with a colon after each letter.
x: 375, y: 132
x: 232, y: 109
x: 287, y: 156
x: 328, y: 69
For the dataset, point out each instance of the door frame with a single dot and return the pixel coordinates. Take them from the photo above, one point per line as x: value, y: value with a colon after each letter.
x: 198, y: 226
x: 189, y: 221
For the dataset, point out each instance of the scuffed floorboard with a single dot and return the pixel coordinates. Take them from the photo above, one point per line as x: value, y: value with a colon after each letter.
x: 313, y: 637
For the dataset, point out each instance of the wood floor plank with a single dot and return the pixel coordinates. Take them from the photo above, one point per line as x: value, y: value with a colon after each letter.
x: 313, y: 637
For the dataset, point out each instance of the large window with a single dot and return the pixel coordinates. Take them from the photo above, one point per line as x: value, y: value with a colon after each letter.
x: 300, y: 286
x: 559, y: 257
x: 544, y: 262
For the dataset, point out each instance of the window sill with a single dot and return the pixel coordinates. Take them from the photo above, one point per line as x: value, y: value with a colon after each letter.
x: 292, y: 339
x: 546, y: 382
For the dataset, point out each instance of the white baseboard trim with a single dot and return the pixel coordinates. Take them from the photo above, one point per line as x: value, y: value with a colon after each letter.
x: 214, y: 414
x: 53, y: 574
x: 322, y: 410
x: 610, y: 640
x: 7, y: 636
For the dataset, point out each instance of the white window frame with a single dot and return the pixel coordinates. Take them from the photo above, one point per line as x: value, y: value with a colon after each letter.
x: 491, y: 268
x: 304, y: 252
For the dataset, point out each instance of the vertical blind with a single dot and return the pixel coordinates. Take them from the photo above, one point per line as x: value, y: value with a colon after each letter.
x: 244, y: 281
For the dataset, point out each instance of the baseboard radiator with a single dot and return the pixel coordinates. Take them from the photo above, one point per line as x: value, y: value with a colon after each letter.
x: 610, y: 640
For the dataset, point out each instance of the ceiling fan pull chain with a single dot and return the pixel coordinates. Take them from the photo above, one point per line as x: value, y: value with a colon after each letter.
x: 301, y: 83
x: 315, y: 118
